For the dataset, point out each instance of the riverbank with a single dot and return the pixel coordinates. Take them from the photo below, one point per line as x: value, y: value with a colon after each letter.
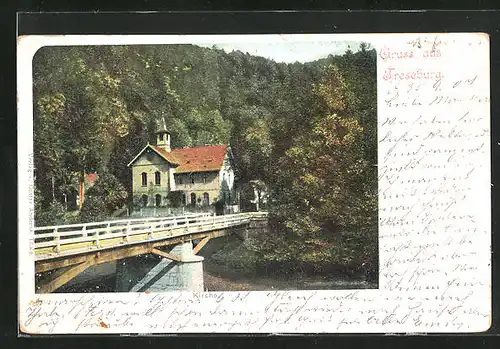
x: 230, y: 266
x: 216, y: 282
x: 221, y: 282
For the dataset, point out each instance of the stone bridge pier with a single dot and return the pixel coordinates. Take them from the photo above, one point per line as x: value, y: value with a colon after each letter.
x: 155, y: 273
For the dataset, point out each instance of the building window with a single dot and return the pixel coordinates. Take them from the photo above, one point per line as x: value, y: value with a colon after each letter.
x: 144, y: 179
x: 205, y: 178
x: 206, y: 199
x: 144, y: 199
x: 192, y: 179
x: 180, y: 180
x: 157, y: 178
x: 158, y: 200
x: 162, y: 137
x: 193, y: 199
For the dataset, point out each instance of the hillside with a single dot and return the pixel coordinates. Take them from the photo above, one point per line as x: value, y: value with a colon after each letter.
x: 306, y: 130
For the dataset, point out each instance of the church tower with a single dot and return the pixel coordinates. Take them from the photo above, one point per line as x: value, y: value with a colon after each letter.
x: 163, y: 136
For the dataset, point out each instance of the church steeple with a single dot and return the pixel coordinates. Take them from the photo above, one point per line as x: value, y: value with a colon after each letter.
x: 162, y: 135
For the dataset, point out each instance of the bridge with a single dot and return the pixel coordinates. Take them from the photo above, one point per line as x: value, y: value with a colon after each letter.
x: 69, y: 250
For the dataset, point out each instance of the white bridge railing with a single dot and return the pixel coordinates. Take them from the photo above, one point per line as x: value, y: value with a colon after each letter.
x: 54, y: 241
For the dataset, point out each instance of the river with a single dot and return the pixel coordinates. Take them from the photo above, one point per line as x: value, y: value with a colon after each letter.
x: 217, y: 282
x: 222, y: 274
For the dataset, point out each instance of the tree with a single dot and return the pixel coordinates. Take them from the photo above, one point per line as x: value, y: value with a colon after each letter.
x: 79, y: 114
x: 325, y: 191
x: 106, y: 196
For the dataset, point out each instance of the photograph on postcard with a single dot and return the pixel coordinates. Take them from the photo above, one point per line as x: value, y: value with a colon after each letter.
x: 205, y: 167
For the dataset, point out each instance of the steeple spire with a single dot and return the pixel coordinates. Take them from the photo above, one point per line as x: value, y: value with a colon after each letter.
x: 162, y: 135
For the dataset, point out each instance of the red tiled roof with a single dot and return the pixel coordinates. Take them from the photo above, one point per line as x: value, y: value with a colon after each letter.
x: 169, y: 156
x: 199, y: 159
x: 92, y: 177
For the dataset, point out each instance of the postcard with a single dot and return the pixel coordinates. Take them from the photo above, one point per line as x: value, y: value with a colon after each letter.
x: 298, y: 183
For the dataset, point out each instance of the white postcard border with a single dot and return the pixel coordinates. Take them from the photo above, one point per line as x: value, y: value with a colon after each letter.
x: 460, y: 270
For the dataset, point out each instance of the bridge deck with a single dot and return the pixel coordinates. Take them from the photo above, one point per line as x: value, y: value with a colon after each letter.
x: 56, y: 242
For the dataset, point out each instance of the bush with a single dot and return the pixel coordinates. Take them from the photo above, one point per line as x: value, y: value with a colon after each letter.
x: 105, y: 197
x: 175, y: 198
x: 54, y: 214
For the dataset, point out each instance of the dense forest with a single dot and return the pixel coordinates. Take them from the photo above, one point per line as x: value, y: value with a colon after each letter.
x: 307, y: 131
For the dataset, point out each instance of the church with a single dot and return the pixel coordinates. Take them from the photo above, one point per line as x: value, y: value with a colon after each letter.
x: 196, y: 176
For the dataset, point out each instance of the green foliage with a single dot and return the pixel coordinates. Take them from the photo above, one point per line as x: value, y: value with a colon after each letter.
x: 207, y: 127
x: 106, y: 196
x: 175, y: 198
x: 51, y: 213
x: 307, y: 131
x: 326, y: 192
x: 246, y: 196
x: 54, y: 214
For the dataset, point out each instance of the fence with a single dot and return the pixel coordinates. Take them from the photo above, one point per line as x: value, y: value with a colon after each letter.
x: 54, y: 241
x: 170, y: 211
